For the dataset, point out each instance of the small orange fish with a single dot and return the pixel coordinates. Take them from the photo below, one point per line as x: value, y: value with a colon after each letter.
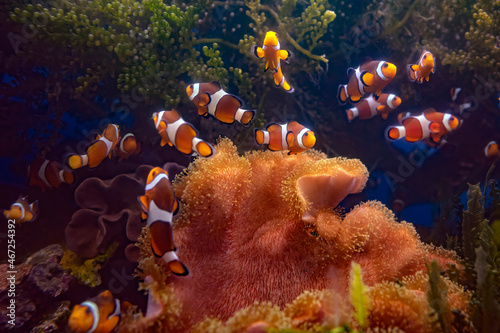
x: 48, y: 174
x: 98, y: 315
x: 369, y: 107
x: 369, y: 77
x: 291, y: 136
x: 491, y: 150
x: 21, y: 211
x: 273, y: 54
x: 98, y: 151
x: 211, y: 99
x: 429, y: 125
x: 158, y: 206
x: 174, y: 131
x: 423, y: 69
x: 128, y: 146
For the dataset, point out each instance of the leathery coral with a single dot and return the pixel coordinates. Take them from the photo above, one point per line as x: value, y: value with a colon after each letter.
x: 263, y: 228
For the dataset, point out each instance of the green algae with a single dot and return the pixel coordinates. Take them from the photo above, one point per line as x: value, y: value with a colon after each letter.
x: 86, y: 271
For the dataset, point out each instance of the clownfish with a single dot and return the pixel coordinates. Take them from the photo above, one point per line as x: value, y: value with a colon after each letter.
x: 421, y: 70
x: 128, y: 146
x: 369, y: 107
x: 158, y: 207
x: 211, y: 99
x: 291, y: 136
x: 48, y: 174
x: 97, y: 315
x: 369, y: 77
x: 21, y: 211
x: 272, y: 53
x: 459, y: 102
x: 491, y: 150
x: 430, y: 124
x: 98, y: 151
x: 174, y: 131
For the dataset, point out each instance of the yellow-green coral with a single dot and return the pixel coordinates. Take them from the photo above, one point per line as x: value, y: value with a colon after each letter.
x: 86, y: 271
x: 359, y: 296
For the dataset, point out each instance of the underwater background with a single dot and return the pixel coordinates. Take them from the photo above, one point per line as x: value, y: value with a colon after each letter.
x: 265, y: 252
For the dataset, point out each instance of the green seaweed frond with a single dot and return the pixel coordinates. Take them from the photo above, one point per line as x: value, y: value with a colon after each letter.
x: 471, y: 224
x: 359, y: 297
x: 216, y: 70
x: 436, y: 296
x: 86, y: 271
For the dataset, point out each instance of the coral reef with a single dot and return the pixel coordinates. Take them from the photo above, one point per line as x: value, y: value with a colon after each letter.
x: 86, y: 271
x: 262, y: 228
x: 39, y: 278
x: 108, y: 208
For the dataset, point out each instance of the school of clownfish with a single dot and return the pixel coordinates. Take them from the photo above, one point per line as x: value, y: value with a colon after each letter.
x: 159, y: 204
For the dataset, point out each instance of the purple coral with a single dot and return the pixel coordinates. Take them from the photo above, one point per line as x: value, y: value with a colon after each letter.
x: 108, y: 208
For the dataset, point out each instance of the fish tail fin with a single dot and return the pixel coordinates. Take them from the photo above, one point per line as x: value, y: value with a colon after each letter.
x: 261, y: 137
x: 352, y: 113
x: 203, y: 148
x: 411, y: 72
x: 77, y: 161
x: 396, y: 132
x: 68, y: 177
x: 175, y: 265
x: 245, y: 116
x: 288, y: 88
x: 342, y: 95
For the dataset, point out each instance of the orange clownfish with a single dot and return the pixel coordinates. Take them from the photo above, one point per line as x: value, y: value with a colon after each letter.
x: 48, y: 174
x: 128, y: 146
x: 21, y: 211
x: 291, y: 136
x: 98, y: 315
x: 421, y: 70
x: 491, y: 150
x: 369, y: 107
x: 369, y: 77
x: 158, y: 206
x: 211, y: 99
x: 174, y: 131
x: 98, y: 151
x: 430, y: 124
x: 272, y: 53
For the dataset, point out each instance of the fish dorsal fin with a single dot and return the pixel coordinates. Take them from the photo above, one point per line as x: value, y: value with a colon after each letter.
x: 365, y: 61
x: 205, y: 99
x: 367, y: 78
x: 290, y: 138
x: 237, y: 98
x: 429, y: 110
x: 217, y: 84
x: 273, y: 127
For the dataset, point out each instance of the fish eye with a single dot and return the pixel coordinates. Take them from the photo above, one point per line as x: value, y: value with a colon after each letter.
x: 306, y: 134
x: 394, y: 98
x: 386, y: 65
x: 87, y: 310
x: 425, y: 56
